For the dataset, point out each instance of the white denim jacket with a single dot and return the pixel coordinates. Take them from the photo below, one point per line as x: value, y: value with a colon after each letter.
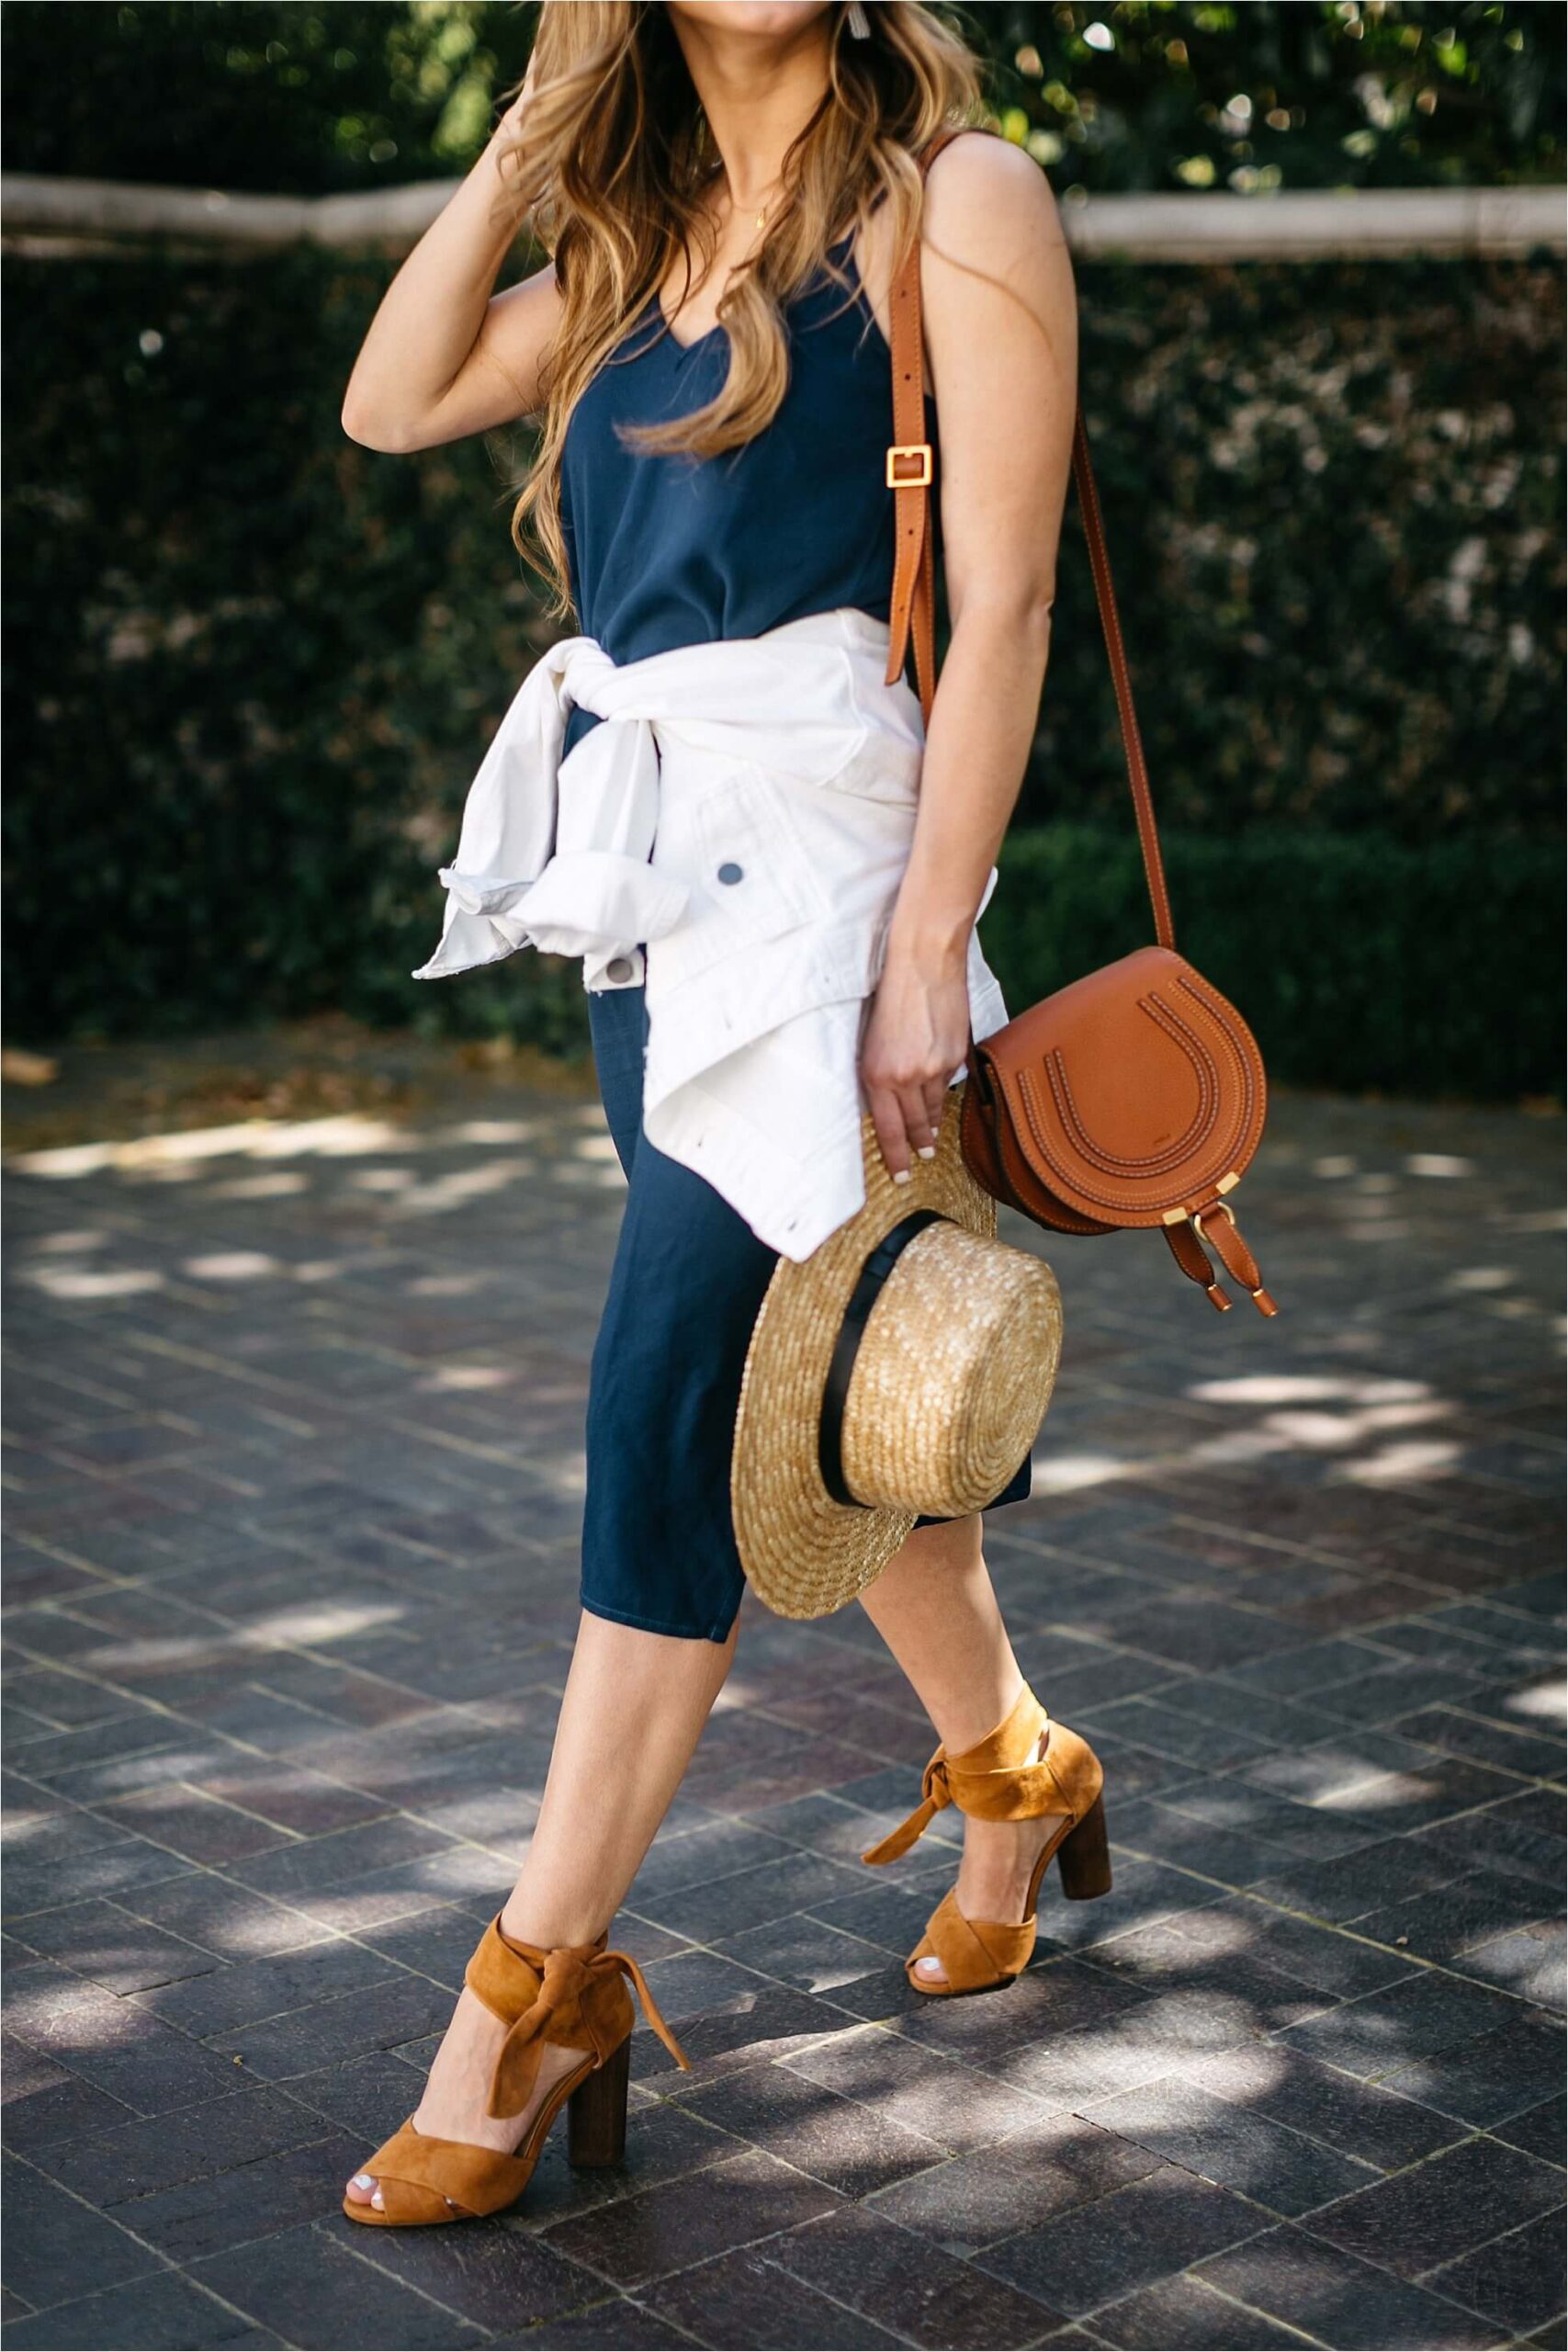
x: 745, y: 816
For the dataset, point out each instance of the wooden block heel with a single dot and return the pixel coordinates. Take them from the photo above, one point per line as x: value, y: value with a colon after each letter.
x: 596, y: 2113
x: 1084, y: 1857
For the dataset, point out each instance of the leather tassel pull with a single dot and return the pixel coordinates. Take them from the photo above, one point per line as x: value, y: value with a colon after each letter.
x: 1231, y: 1250
x: 1196, y: 1264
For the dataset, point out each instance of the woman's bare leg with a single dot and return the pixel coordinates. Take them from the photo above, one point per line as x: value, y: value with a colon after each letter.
x: 631, y: 1716
x: 935, y: 1608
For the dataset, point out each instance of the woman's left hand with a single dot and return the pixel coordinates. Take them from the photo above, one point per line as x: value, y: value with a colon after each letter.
x: 916, y: 1038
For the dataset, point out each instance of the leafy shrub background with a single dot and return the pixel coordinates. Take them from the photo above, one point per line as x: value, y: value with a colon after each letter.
x: 251, y: 666
x: 300, y: 97
x: 1360, y: 961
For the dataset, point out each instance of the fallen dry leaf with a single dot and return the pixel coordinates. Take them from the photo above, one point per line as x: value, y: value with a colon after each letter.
x: 18, y: 1068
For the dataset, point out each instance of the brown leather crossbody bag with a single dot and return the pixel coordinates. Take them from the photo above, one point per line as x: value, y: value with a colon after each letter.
x: 1136, y: 1095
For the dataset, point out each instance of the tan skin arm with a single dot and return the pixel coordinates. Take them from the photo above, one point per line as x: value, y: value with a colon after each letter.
x: 1004, y: 366
x: 444, y: 355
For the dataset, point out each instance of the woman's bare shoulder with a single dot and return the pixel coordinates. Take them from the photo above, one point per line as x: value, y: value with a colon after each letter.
x: 988, y: 203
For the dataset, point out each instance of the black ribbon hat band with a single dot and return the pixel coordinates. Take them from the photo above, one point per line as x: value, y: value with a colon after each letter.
x: 868, y: 1287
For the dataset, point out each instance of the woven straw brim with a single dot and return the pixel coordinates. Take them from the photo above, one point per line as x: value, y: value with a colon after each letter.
x: 806, y: 1554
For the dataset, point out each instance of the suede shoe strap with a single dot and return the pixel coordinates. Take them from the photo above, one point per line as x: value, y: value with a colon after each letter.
x: 936, y: 1790
x: 574, y: 1997
x: 992, y: 1781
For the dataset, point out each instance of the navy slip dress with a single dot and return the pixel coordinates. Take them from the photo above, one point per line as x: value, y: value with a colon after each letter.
x: 665, y: 552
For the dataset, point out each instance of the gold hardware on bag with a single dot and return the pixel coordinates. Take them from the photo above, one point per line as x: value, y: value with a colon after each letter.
x: 1227, y: 1183
x: 920, y: 451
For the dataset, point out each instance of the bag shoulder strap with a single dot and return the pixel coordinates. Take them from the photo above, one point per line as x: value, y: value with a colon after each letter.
x: 913, y: 610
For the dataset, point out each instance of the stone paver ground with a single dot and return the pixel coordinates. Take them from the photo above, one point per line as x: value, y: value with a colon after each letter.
x: 294, y: 1410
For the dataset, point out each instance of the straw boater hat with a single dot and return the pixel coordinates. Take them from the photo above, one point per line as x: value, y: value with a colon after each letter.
x: 903, y: 1368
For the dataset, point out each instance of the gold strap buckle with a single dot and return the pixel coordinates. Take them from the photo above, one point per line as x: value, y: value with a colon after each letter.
x: 1222, y: 1208
x: 905, y: 453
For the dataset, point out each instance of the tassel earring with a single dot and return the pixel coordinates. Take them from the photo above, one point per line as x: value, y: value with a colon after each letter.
x: 859, y: 22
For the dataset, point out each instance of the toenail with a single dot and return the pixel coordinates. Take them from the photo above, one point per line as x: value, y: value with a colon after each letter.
x: 377, y: 2203
x: 363, y: 2180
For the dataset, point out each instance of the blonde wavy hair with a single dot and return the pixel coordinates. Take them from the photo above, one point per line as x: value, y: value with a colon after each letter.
x: 614, y: 161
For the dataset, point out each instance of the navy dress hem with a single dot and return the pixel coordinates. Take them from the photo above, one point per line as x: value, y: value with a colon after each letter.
x: 716, y: 1633
x: 688, y: 1277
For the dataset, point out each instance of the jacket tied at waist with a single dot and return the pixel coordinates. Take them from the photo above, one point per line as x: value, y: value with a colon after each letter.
x: 733, y: 836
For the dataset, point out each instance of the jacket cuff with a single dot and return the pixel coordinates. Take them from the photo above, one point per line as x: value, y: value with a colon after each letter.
x: 586, y: 902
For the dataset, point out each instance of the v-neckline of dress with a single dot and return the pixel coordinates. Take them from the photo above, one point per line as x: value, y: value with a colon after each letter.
x: 656, y: 303
x: 696, y: 343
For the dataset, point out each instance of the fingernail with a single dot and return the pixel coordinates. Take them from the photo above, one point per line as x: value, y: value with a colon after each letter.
x: 928, y: 1151
x: 901, y: 1175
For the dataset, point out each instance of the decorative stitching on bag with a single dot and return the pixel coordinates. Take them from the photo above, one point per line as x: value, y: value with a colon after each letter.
x: 1000, y: 1129
x: 1247, y: 1070
x: 1199, y: 1128
x: 1069, y: 1180
x: 1249, y: 1064
x: 1206, y: 1069
x: 1239, y: 1065
x: 1164, y: 1016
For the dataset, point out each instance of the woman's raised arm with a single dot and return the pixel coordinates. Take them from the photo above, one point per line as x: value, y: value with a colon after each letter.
x: 445, y: 356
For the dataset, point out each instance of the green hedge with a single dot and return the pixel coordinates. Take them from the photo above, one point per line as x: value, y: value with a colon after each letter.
x: 1359, y: 962
x: 251, y: 667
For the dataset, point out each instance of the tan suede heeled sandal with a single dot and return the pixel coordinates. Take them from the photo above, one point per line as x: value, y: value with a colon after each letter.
x: 1000, y: 1779
x: 573, y: 1998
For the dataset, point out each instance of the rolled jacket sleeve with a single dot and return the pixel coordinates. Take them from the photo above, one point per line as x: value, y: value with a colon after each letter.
x: 552, y: 854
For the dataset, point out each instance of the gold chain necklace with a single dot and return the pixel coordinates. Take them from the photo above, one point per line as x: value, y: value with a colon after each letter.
x: 761, y: 220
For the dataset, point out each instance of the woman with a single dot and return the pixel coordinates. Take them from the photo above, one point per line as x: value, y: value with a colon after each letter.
x: 728, y: 189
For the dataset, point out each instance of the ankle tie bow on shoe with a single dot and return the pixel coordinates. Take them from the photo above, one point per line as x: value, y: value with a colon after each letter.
x: 574, y: 1996
x: 936, y: 1792
x: 984, y: 1781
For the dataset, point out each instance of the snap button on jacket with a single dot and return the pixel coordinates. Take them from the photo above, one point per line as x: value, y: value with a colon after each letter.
x: 734, y: 835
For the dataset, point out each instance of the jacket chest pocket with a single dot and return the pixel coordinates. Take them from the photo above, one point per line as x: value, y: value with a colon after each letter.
x: 753, y: 878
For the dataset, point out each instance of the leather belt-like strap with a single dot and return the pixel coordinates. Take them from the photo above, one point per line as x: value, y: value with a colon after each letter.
x: 910, y: 465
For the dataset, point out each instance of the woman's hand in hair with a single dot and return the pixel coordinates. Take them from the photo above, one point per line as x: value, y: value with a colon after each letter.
x: 445, y: 357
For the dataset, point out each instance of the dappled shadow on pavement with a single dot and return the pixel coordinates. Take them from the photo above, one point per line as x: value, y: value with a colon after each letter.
x: 295, y: 1412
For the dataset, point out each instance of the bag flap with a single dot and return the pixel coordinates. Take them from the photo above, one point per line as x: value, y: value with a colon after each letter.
x: 1135, y: 1091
